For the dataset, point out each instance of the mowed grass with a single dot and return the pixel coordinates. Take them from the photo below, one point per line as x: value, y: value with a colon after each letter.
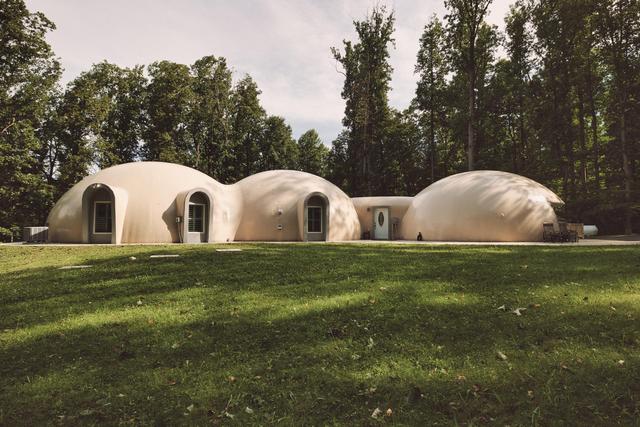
x: 320, y: 334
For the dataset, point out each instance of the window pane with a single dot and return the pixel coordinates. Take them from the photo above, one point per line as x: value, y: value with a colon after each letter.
x: 196, y: 218
x: 314, y: 219
x: 102, y: 217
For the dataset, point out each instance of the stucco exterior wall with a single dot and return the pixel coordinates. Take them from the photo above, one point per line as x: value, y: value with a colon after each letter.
x: 481, y: 206
x: 398, y: 206
x: 277, y: 197
x: 270, y: 206
x: 146, y: 205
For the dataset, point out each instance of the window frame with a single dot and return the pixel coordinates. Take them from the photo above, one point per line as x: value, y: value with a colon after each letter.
x: 204, y: 216
x: 95, y: 215
x: 319, y: 217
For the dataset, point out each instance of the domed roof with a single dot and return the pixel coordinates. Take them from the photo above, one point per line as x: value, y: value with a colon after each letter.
x: 145, y: 194
x: 273, y: 203
x: 482, y: 206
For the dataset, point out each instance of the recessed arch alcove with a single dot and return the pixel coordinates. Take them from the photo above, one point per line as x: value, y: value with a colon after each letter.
x: 195, y: 208
x: 102, y: 214
x: 315, y: 217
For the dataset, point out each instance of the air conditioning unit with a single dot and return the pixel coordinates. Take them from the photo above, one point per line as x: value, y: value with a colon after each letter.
x: 35, y: 234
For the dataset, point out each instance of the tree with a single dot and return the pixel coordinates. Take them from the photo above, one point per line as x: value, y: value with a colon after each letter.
x: 465, y: 19
x: 168, y: 102
x: 312, y: 153
x: 518, y: 47
x: 367, y: 76
x: 28, y: 76
x: 210, y: 116
x: 278, y: 149
x: 431, y: 68
x: 619, y: 27
x: 247, y: 121
x: 121, y: 132
x: 338, y: 161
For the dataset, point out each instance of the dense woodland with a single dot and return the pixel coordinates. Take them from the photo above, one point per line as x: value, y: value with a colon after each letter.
x: 555, y: 97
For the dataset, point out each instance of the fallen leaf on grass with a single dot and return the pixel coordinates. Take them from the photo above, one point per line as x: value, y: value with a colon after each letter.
x: 621, y: 362
x: 388, y: 413
x: 518, y: 311
x: 376, y: 413
x: 566, y: 368
x: 502, y: 307
x: 190, y: 408
x: 501, y: 356
x: 248, y: 410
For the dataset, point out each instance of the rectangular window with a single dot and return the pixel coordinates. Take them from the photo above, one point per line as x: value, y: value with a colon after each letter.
x: 196, y: 218
x: 314, y: 219
x: 102, y: 217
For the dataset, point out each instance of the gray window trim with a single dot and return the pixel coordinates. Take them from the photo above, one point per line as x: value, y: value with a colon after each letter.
x: 321, y: 220
x: 95, y: 204
x: 204, y: 217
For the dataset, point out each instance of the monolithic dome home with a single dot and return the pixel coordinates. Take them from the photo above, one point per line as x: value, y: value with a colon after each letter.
x: 155, y: 202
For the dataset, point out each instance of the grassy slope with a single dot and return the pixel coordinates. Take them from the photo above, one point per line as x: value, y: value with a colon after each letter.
x: 319, y: 334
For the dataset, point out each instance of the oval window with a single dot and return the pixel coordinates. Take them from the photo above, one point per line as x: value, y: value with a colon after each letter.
x: 380, y: 219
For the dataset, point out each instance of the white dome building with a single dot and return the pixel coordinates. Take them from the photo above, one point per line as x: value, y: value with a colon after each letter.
x: 155, y: 202
x: 146, y: 202
x: 285, y: 205
x: 486, y: 206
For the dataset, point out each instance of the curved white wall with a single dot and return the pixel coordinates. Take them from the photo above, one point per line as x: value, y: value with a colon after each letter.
x: 147, y: 213
x: 481, y: 206
x: 276, y: 198
x: 269, y: 206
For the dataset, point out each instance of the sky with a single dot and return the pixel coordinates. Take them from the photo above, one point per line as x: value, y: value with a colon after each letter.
x: 283, y: 44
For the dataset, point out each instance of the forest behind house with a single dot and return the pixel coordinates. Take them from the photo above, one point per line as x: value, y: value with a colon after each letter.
x: 554, y: 97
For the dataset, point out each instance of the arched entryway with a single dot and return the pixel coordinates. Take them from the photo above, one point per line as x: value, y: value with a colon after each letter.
x: 99, y: 214
x: 197, y: 218
x: 316, y: 218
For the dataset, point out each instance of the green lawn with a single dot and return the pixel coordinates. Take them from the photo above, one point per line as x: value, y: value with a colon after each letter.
x: 320, y: 334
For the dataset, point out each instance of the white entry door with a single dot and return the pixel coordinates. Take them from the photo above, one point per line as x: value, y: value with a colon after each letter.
x: 381, y: 223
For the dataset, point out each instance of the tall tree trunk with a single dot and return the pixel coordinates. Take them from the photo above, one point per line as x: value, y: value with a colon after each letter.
x: 626, y: 169
x: 432, y: 142
x: 470, y: 124
x: 594, y: 129
x: 582, y: 134
x: 594, y: 125
x: 522, y: 132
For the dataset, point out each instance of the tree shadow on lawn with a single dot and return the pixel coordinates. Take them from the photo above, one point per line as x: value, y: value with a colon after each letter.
x: 293, y: 327
x: 316, y: 270
x: 321, y: 365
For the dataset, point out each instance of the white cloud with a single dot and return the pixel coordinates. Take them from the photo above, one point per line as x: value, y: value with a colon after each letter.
x: 283, y: 44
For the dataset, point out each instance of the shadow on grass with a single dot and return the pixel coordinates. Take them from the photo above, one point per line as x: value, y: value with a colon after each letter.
x: 322, y: 334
